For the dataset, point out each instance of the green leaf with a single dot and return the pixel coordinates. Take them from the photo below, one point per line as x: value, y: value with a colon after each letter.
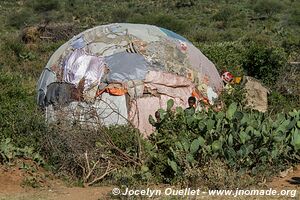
x: 194, y: 146
x: 257, y: 133
x: 185, y: 145
x: 243, y: 137
x: 178, y: 145
x: 220, y: 115
x: 210, y: 124
x: 173, y: 165
x: 201, y: 141
x: 201, y: 125
x: 208, y: 148
x: 170, y: 104
x: 298, y: 124
x: 179, y: 110
x: 151, y: 120
x: 230, y: 140
x: 231, y: 110
x: 296, y: 139
x: 238, y: 115
x: 245, y: 119
x: 162, y: 113
x: 216, y: 145
x: 144, y: 168
x: 190, y: 158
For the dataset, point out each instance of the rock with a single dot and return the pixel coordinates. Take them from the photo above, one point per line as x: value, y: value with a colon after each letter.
x: 256, y: 94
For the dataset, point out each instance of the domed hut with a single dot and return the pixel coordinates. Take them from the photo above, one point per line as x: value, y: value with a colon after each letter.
x: 122, y: 73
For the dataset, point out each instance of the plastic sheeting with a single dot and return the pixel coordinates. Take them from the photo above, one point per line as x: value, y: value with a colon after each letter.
x: 141, y: 108
x: 79, y: 65
x: 174, y: 35
x: 108, y: 110
x: 112, y: 109
x: 126, y: 66
x: 144, y: 32
x: 46, y: 78
x: 78, y: 43
x: 167, y: 79
x: 205, y: 67
x: 59, y: 94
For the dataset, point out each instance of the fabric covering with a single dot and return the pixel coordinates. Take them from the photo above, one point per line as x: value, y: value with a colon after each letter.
x: 125, y: 72
x: 47, y: 77
x: 139, y: 113
x: 78, y: 43
x: 126, y: 66
x: 108, y: 110
x: 58, y: 94
x: 79, y: 65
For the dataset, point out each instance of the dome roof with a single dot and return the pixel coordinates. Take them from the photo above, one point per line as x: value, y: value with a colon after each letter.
x: 131, y: 54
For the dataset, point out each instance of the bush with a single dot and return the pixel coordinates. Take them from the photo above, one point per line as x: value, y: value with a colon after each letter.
x: 90, y: 154
x: 225, y: 54
x: 268, y: 7
x: 20, y: 118
x: 248, y: 142
x: 44, y: 6
x: 204, y: 35
x: 264, y: 63
x: 161, y: 20
x: 21, y: 18
x: 294, y: 15
x: 120, y: 15
x: 223, y: 14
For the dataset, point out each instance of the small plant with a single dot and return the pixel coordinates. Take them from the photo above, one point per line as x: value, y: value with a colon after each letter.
x: 9, y: 152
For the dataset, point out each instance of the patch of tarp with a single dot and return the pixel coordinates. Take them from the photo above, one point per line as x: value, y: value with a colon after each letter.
x: 174, y: 35
x: 107, y: 111
x: 126, y: 66
x: 78, y: 65
x: 47, y: 77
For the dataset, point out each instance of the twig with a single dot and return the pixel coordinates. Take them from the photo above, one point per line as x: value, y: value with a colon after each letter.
x: 107, y: 171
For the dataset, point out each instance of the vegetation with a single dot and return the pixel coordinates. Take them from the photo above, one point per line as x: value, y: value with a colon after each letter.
x: 246, y: 141
x: 259, y: 38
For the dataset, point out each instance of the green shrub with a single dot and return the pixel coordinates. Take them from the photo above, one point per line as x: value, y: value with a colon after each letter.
x: 268, y: 7
x: 248, y: 142
x: 120, y: 15
x: 162, y: 20
x: 204, y: 35
x: 294, y: 15
x: 264, y: 63
x: 223, y: 14
x: 9, y: 152
x: 20, y: 118
x: 279, y: 102
x: 21, y: 18
x: 224, y: 54
x: 44, y: 6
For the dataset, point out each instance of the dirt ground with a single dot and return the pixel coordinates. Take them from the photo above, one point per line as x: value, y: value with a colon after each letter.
x: 15, y: 185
